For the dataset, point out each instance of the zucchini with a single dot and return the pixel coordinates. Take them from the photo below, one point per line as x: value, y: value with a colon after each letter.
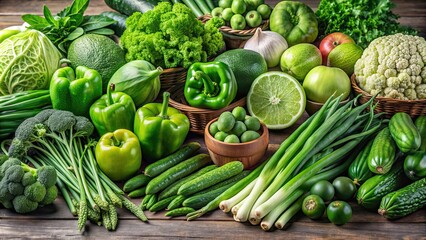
x: 156, y: 168
x: 404, y: 132
x: 382, y: 153
x: 415, y: 165
x: 120, y: 24
x: 358, y: 171
x: 404, y: 201
x: 202, y: 198
x: 136, y: 182
x: 421, y: 127
x: 211, y: 178
x: 177, y: 172
x: 128, y: 7
x: 173, y: 189
x: 371, y: 192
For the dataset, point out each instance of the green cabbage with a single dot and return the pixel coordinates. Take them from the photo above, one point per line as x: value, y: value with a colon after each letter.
x: 27, y: 61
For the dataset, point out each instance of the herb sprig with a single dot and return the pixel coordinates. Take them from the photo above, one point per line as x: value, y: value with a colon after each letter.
x: 69, y: 24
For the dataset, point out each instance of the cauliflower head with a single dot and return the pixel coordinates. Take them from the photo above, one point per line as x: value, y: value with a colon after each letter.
x: 393, y: 66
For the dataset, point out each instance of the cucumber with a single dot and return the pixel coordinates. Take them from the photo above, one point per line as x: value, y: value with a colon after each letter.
x: 156, y: 168
x: 173, y: 189
x: 404, y: 201
x: 176, y: 202
x: 415, y: 165
x: 371, y: 192
x: 120, y: 24
x: 382, y: 153
x: 202, y: 198
x: 137, y: 193
x: 136, y: 182
x: 179, y: 212
x: 358, y: 171
x: 211, y: 178
x: 421, y: 127
x: 404, y: 132
x: 161, y: 205
x: 151, y: 201
x: 177, y: 172
x: 128, y: 7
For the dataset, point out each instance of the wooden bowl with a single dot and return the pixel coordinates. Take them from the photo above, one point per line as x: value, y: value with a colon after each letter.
x: 249, y: 153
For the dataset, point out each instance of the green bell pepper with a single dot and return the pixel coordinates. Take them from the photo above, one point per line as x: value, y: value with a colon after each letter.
x: 114, y: 110
x: 118, y: 154
x: 295, y: 21
x: 75, y: 91
x: 210, y: 85
x: 161, y: 129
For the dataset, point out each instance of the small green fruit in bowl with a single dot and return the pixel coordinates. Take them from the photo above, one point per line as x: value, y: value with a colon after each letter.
x: 225, y: 3
x: 299, y: 59
x: 264, y: 10
x: 253, y: 4
x: 253, y: 19
x: 322, y: 82
x: 217, y: 12
x: 239, y: 6
x: 227, y: 14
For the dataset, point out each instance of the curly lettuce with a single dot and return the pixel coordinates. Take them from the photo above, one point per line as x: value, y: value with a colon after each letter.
x: 27, y: 62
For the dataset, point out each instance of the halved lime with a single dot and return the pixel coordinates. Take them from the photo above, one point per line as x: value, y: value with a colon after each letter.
x: 276, y: 99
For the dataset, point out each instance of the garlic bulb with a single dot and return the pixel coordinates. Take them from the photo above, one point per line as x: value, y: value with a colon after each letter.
x: 270, y: 45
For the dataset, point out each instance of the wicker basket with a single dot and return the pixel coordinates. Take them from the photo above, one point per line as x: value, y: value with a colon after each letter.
x: 391, y: 106
x: 171, y: 77
x: 198, y: 117
x: 234, y: 38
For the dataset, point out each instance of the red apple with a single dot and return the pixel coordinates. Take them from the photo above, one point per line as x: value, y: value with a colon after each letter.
x: 331, y: 41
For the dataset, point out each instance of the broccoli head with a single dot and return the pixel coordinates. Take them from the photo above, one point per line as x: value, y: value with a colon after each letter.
x: 159, y: 35
x: 22, y: 204
x: 61, y: 121
x: 14, y: 173
x: 25, y: 130
x: 15, y: 188
x: 35, y: 192
x: 7, y: 204
x: 7, y: 164
x: 51, y: 194
x: 83, y: 126
x: 28, y: 179
x: 47, y: 176
x: 44, y: 115
x: 5, y: 195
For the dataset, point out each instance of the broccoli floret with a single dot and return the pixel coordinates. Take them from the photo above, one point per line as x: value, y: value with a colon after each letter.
x: 7, y: 204
x: 47, y: 176
x: 15, y: 188
x: 35, y: 192
x: 51, y: 194
x: 159, y: 35
x: 22, y: 204
x: 28, y: 179
x: 14, y: 173
x: 44, y: 115
x: 60, y: 121
x: 7, y: 164
x: 17, y: 149
x: 5, y: 195
x: 25, y: 130
x: 83, y: 126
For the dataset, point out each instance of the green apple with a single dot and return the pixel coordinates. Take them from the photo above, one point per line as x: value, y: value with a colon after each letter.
x: 217, y: 12
x: 238, y: 22
x: 253, y: 18
x: 227, y: 14
x: 322, y: 82
x: 253, y: 4
x: 344, y: 56
x: 264, y: 10
x: 299, y: 59
x: 238, y: 6
x: 224, y: 3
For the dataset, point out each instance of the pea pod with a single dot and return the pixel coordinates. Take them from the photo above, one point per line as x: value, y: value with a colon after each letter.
x: 382, y: 153
x: 404, y: 132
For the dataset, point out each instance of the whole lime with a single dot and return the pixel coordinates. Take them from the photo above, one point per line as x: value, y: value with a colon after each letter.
x: 344, y: 57
x: 246, y: 64
x: 97, y: 52
x: 299, y: 59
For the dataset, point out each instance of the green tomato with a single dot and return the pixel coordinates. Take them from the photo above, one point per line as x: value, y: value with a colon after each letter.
x: 238, y: 22
x: 295, y: 21
x: 238, y: 6
x: 313, y: 206
x: 324, y: 189
x: 253, y: 18
x: 339, y: 212
x: 344, y: 188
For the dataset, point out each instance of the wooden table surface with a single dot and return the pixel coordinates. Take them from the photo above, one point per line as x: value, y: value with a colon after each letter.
x: 57, y: 222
